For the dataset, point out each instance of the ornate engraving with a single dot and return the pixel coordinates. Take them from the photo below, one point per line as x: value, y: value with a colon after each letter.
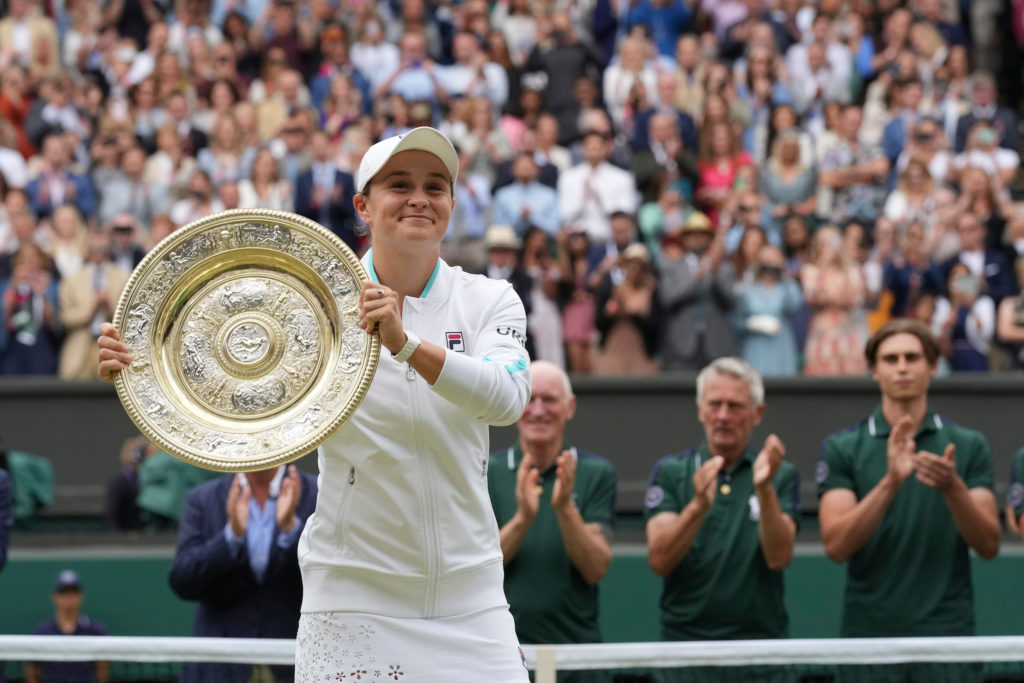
x: 248, y: 343
x: 136, y: 334
x: 253, y: 397
x: 234, y: 321
x: 303, y: 337
x: 193, y: 250
x: 310, y: 420
x: 196, y: 359
x: 154, y: 403
x: 255, y: 235
x: 308, y: 252
x: 218, y: 443
x: 243, y: 295
x: 353, y: 341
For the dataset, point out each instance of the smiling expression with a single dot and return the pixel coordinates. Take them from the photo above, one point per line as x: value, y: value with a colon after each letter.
x: 409, y: 200
x: 550, y: 407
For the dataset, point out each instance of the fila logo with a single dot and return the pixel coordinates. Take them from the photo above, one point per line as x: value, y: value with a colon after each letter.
x: 455, y: 342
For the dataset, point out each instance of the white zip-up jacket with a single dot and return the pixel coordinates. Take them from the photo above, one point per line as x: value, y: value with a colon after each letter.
x: 403, y: 524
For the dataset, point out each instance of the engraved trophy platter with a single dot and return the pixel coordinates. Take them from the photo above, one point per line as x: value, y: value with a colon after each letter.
x: 246, y: 346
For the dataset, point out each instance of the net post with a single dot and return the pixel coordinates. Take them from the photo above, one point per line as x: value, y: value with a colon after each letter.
x: 545, y: 672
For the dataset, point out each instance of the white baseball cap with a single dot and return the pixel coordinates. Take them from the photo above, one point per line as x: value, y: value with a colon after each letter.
x: 424, y: 138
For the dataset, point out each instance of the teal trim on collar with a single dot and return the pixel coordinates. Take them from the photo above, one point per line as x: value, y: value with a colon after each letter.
x: 369, y: 261
x: 879, y: 428
x: 426, y: 288
x: 430, y: 281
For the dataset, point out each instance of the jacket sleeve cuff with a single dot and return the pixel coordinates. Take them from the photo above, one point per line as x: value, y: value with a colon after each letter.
x: 292, y: 537
x: 459, y: 377
x: 234, y: 542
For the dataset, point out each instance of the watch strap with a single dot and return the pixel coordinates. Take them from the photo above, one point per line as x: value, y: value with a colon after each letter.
x: 412, y: 343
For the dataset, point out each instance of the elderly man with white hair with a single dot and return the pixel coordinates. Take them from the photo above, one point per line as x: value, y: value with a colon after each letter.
x: 554, y: 505
x: 722, y: 518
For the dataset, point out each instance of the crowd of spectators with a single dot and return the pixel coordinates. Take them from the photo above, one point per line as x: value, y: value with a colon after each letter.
x: 664, y: 181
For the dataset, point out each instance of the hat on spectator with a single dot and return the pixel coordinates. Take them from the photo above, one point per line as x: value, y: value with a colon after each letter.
x: 67, y: 579
x: 423, y: 138
x: 696, y: 222
x: 501, y: 237
x: 636, y: 252
x: 125, y: 53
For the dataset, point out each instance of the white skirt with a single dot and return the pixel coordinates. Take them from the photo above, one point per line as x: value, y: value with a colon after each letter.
x: 369, y: 648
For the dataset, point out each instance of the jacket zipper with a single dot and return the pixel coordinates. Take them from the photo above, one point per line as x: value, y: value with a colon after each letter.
x: 343, y: 508
x: 431, y: 534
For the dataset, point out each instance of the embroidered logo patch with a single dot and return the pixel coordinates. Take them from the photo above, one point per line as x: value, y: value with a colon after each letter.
x: 821, y: 472
x: 455, y: 341
x: 755, y: 508
x: 654, y: 496
x: 1015, y: 496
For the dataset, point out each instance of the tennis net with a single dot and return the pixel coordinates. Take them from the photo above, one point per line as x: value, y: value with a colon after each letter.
x: 877, y: 660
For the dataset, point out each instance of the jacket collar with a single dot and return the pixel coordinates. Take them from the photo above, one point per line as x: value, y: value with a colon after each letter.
x: 878, y: 426
x: 749, y: 455
x: 439, y: 289
x: 514, y: 456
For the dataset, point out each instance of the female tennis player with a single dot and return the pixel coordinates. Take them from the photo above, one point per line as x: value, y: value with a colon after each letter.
x: 401, y: 562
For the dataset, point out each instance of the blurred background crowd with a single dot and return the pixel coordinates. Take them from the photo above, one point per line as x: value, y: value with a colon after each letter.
x: 663, y: 181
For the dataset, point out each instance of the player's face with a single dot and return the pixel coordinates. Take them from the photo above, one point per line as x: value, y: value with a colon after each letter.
x: 549, y: 407
x: 410, y: 201
x: 728, y: 414
x: 901, y: 369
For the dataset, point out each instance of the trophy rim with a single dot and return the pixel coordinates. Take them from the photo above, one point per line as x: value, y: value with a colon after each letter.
x: 319, y: 434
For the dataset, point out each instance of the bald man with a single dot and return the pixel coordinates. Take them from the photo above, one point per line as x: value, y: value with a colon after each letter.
x: 555, y: 506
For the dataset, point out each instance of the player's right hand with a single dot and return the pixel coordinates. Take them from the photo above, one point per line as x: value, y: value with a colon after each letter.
x: 114, y: 355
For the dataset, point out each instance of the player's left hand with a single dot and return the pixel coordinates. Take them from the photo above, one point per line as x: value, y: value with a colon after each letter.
x: 565, y: 479
x: 288, y: 500
x: 379, y: 310
x: 768, y: 461
x: 937, y: 472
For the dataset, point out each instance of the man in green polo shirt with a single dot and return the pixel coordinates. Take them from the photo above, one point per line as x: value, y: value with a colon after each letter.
x: 554, y: 505
x: 721, y: 523
x: 904, y: 493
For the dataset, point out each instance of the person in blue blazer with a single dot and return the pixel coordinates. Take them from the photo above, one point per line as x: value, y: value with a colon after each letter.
x: 236, y: 557
x: 324, y: 194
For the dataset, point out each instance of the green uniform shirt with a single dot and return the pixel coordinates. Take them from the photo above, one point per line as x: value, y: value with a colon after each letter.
x: 1015, y: 494
x: 722, y: 589
x: 912, y: 577
x: 549, y: 599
